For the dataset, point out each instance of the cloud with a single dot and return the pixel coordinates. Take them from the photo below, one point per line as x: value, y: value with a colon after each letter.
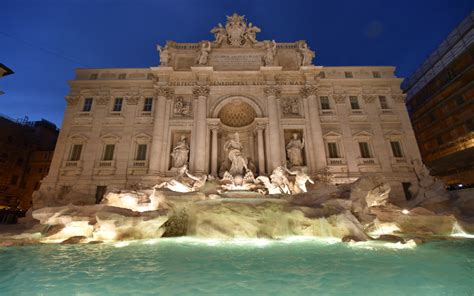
x: 374, y: 29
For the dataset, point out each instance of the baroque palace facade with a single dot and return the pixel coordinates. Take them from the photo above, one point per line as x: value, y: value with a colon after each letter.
x: 126, y: 126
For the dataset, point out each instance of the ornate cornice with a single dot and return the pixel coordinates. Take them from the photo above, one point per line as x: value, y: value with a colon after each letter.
x: 72, y: 100
x: 272, y: 91
x: 308, y: 91
x: 163, y: 91
x: 369, y: 98
x: 201, y: 91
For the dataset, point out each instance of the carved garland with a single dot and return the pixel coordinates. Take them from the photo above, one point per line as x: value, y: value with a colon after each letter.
x: 369, y: 98
x: 72, y: 100
x: 339, y: 99
x: 272, y: 91
x: 399, y: 98
x: 132, y: 100
x: 102, y: 100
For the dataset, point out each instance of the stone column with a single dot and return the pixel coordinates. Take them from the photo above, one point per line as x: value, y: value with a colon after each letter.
x: 214, y: 131
x: 310, y: 93
x: 272, y: 93
x: 200, y: 127
x: 156, y: 151
x: 260, y: 150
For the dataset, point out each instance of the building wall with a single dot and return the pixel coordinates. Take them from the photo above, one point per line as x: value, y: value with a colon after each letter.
x: 441, y: 105
x: 22, y: 144
x: 270, y: 92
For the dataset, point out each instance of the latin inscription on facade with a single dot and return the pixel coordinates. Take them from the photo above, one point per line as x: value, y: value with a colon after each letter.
x: 250, y: 61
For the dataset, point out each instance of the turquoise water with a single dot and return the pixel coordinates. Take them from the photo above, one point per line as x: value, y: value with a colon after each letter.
x: 245, y: 267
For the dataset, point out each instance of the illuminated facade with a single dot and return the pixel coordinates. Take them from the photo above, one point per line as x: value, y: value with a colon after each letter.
x: 121, y: 126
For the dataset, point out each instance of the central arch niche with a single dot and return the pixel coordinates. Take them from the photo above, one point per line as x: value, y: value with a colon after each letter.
x: 237, y: 113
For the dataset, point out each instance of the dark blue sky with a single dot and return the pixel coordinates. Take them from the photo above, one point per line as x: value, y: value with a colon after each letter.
x: 43, y: 41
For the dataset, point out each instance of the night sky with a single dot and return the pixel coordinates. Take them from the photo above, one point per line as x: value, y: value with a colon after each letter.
x: 43, y: 41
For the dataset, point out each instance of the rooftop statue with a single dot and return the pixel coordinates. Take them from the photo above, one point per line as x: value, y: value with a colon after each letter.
x: 164, y: 55
x: 306, y: 54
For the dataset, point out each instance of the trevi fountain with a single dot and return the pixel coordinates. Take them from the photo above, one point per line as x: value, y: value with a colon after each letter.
x: 240, y: 229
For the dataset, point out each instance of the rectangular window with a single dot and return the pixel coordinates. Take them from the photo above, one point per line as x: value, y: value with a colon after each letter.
x: 141, y: 152
x: 348, y: 74
x: 14, y: 180
x: 122, y: 76
x: 325, y: 103
x: 376, y: 74
x: 459, y: 100
x: 333, y: 151
x: 396, y: 148
x: 383, y: 102
x: 75, y: 152
x: 118, y: 104
x: 322, y: 75
x: 406, y: 190
x: 109, y: 152
x: 364, y: 150
x: 439, y: 140
x: 87, y: 105
x: 148, y: 104
x: 99, y: 193
x: 94, y: 76
x: 354, y: 103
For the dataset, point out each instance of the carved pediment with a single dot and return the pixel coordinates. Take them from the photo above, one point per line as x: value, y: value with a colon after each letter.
x: 362, y: 134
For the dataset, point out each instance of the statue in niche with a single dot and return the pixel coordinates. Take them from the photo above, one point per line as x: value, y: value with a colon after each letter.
x: 306, y: 54
x: 180, y: 153
x: 294, y: 150
x: 251, y: 33
x: 203, y: 54
x: 219, y: 33
x: 181, y: 107
x: 270, y: 52
x: 238, y: 161
x: 164, y: 55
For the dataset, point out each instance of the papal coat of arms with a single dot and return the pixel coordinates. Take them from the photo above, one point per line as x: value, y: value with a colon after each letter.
x: 236, y: 32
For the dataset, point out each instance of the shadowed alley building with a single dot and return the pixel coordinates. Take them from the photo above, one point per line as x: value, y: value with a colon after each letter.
x: 440, y: 99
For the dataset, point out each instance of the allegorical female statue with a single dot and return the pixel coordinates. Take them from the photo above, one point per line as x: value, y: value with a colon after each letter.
x: 234, y: 149
x: 164, y: 55
x: 203, y: 54
x: 180, y: 153
x: 294, y: 150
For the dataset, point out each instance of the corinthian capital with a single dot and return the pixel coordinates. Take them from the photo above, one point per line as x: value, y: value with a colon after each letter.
x: 201, y: 91
x: 163, y: 91
x: 307, y: 91
x: 272, y: 91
